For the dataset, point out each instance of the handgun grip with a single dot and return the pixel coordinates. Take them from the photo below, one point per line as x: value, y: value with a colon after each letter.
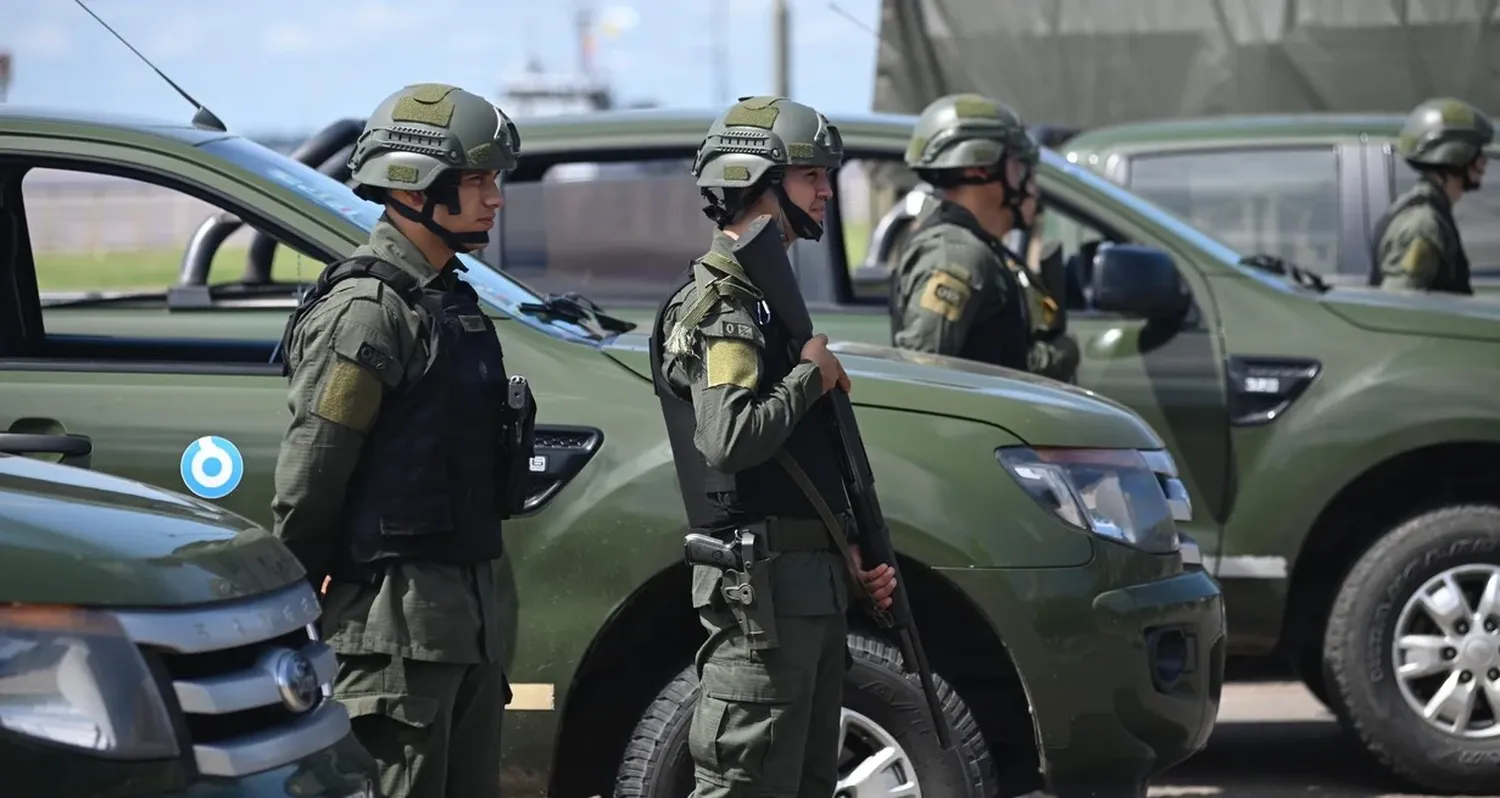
x: 518, y: 395
x: 700, y: 549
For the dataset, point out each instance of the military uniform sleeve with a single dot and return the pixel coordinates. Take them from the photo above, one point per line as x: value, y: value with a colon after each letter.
x: 348, y: 355
x: 1415, y: 255
x: 736, y: 427
x: 947, y: 280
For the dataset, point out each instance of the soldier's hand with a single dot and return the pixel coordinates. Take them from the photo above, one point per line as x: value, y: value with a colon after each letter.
x: 816, y: 351
x: 880, y: 581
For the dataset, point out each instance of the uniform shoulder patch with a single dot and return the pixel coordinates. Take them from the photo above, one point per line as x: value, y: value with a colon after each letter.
x: 730, y: 320
x: 349, y: 396
x: 945, y: 294
x: 732, y: 361
x: 366, y: 335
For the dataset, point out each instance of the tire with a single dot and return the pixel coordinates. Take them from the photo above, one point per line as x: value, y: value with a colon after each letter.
x: 1375, y: 607
x: 878, y: 698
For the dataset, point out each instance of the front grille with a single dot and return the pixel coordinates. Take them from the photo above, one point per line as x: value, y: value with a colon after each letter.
x: 234, y: 669
x: 1161, y: 463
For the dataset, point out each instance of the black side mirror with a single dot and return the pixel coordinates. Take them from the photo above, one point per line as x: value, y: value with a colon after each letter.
x: 1138, y: 281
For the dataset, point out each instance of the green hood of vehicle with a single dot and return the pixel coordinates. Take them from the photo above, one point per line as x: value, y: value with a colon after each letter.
x: 1442, y: 315
x: 1037, y: 410
x: 73, y: 536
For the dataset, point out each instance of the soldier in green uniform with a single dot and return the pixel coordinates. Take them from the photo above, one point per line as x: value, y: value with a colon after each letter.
x: 395, y: 373
x: 734, y: 395
x: 1042, y: 274
x: 957, y: 290
x: 1417, y: 244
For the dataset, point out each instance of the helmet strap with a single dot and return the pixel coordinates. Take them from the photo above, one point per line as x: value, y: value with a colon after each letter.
x: 803, y: 225
x: 444, y: 192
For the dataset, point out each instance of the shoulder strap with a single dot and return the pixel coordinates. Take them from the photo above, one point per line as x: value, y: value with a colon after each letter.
x: 732, y: 283
x: 830, y: 524
x: 388, y: 273
x: 1405, y: 203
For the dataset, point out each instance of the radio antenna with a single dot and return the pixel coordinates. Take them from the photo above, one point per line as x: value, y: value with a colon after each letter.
x: 204, y: 118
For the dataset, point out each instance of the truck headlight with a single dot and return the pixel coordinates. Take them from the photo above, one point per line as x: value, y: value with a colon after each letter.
x: 71, y: 677
x: 1113, y: 493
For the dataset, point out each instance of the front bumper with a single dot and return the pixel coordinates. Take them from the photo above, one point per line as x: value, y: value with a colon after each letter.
x: 1123, y: 661
x: 342, y: 770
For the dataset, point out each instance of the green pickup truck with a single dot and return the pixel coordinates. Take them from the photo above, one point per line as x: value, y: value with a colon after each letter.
x: 1073, y: 635
x: 1308, y: 188
x: 154, y: 644
x: 1339, y: 443
x: 1339, y: 446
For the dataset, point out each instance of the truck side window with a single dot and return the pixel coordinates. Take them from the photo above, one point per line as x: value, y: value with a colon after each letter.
x: 618, y: 232
x: 1477, y: 215
x: 1277, y: 200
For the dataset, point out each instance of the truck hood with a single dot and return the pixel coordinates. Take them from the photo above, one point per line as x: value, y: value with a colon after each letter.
x: 73, y: 536
x: 1037, y: 410
x: 1476, y: 317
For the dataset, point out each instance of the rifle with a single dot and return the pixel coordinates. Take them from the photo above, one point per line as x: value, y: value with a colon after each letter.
x: 763, y: 258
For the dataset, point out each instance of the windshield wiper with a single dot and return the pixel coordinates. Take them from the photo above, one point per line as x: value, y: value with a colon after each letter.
x: 1280, y: 266
x: 577, y: 308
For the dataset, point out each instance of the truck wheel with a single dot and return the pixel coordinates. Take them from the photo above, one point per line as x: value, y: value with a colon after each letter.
x: 1412, y: 650
x: 889, y: 745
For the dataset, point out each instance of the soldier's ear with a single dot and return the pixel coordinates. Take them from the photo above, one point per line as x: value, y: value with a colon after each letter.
x: 413, y: 199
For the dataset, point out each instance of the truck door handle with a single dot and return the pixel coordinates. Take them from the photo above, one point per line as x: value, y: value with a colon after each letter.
x: 76, y: 450
x: 30, y: 443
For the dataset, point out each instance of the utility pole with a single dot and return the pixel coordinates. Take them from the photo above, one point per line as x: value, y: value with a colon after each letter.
x: 717, y: 28
x: 4, y: 75
x: 781, y: 48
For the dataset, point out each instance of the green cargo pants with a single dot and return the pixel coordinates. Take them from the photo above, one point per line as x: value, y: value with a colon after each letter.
x: 433, y: 727
x: 767, y: 721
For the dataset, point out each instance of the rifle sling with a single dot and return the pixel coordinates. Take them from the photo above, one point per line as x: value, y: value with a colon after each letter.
x: 830, y: 523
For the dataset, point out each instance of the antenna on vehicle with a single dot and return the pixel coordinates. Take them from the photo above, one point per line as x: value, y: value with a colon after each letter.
x: 204, y: 118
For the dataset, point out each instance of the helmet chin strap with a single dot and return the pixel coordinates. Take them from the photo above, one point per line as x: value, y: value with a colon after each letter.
x: 803, y: 225
x: 448, y: 196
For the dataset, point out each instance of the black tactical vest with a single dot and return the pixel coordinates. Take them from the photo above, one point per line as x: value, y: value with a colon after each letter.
x: 430, y: 482
x: 1001, y: 337
x: 1453, y: 276
x: 718, y: 501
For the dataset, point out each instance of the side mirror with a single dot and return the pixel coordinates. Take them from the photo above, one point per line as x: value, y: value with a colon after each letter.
x: 1139, y: 281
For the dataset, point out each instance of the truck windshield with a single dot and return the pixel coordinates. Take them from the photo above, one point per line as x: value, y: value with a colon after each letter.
x: 1199, y: 238
x: 495, y: 288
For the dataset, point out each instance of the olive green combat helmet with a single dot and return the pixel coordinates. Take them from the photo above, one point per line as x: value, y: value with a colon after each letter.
x: 1444, y: 133
x: 748, y: 148
x: 970, y: 131
x: 421, y: 138
x: 962, y: 131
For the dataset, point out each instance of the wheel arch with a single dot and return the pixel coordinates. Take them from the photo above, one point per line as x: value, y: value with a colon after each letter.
x: 1367, y: 507
x: 654, y: 633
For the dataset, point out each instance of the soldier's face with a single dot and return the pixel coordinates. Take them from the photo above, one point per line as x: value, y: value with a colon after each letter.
x: 810, y: 188
x: 479, y: 199
x: 1476, y: 171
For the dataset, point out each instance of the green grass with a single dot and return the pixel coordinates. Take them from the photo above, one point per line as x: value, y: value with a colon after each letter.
x: 156, y: 270
x: 856, y: 242
x: 147, y: 270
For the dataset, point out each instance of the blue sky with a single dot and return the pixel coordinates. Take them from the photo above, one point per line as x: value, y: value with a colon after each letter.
x: 292, y: 66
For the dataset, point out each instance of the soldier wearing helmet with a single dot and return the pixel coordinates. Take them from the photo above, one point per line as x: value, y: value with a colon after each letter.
x: 957, y: 289
x: 381, y: 491
x: 1417, y: 244
x: 735, y: 393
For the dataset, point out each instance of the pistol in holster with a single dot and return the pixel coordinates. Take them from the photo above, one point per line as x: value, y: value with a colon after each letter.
x: 517, y: 446
x: 744, y: 565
